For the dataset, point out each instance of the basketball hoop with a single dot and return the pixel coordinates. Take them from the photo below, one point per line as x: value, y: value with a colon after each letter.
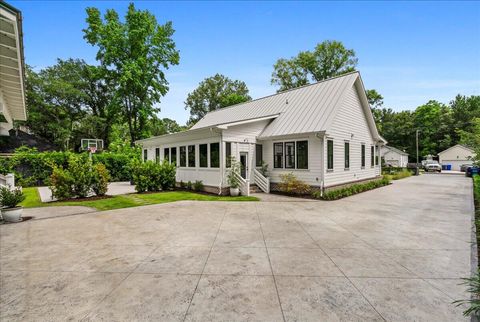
x: 91, y: 145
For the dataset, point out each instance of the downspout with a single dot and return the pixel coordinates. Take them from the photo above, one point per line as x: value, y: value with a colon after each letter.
x: 321, y: 136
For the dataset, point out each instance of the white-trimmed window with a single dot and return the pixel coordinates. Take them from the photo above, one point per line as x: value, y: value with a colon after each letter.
x: 347, y: 154
x: 329, y: 154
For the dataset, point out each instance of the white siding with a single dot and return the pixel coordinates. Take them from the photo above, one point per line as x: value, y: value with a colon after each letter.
x: 246, y: 133
x: 209, y: 176
x: 456, y: 156
x: 395, y: 159
x: 350, y: 124
x: 312, y: 176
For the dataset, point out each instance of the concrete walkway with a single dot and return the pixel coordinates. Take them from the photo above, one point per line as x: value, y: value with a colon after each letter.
x: 396, y: 253
x: 114, y: 188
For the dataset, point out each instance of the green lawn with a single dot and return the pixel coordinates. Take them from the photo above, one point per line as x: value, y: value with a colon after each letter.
x: 131, y: 200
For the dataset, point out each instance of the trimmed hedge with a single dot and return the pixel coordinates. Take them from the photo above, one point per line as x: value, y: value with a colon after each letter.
x: 153, y: 176
x: 351, y: 190
x: 33, y: 168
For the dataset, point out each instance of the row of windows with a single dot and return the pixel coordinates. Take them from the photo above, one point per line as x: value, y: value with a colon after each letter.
x: 187, y: 155
x: 373, y: 157
x: 290, y: 155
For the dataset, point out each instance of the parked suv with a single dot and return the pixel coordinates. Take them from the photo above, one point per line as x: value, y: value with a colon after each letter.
x: 433, y: 166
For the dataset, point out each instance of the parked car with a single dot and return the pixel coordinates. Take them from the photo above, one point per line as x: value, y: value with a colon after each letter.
x: 432, y: 166
x: 471, y: 170
x: 464, y: 167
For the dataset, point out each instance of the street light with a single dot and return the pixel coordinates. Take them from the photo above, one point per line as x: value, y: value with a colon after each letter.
x: 417, y: 171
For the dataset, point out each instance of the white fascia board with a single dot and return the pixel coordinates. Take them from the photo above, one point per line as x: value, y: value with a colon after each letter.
x: 258, y: 119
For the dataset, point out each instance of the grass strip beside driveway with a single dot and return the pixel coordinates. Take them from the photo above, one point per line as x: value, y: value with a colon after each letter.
x: 130, y: 200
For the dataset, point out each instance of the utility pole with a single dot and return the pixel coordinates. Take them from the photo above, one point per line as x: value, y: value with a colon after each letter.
x: 417, y: 171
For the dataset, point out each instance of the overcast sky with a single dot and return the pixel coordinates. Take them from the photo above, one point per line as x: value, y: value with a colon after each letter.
x: 410, y: 52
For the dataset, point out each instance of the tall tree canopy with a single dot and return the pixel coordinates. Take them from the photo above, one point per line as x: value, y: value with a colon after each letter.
x: 135, y: 52
x: 214, y: 93
x: 440, y: 125
x: 329, y: 58
x: 69, y: 101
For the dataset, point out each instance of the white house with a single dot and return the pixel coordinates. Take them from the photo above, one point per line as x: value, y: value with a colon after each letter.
x: 394, y: 157
x: 324, y: 133
x: 12, y: 68
x: 456, y: 156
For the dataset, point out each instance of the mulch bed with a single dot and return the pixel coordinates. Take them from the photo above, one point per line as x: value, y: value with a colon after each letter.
x: 92, y: 198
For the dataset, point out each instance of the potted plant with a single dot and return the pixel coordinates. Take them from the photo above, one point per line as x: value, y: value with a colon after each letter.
x: 9, y: 199
x: 232, y: 177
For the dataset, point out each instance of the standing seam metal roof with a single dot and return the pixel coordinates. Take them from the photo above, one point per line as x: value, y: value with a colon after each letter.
x: 301, y: 110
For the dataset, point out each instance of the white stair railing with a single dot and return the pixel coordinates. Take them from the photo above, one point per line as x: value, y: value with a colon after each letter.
x: 7, y: 180
x: 261, y: 181
x: 244, y: 185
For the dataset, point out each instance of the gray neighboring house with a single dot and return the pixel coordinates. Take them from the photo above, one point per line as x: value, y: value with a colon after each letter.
x: 323, y: 133
x: 394, y: 157
x: 12, y: 68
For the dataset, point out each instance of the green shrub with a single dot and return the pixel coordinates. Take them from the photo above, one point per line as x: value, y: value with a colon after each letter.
x: 80, y: 168
x: 233, y: 173
x: 11, y: 198
x: 61, y: 183
x: 152, y: 176
x: 33, y: 168
x: 198, y: 185
x: 291, y: 185
x: 351, y: 190
x: 116, y: 164
x: 189, y: 185
x: 473, y: 288
x: 100, y: 179
x: 182, y: 184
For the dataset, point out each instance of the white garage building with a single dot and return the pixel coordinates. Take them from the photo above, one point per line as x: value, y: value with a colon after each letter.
x: 394, y: 157
x: 456, y: 156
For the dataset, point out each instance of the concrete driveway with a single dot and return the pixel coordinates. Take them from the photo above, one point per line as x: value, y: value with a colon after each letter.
x: 395, y: 253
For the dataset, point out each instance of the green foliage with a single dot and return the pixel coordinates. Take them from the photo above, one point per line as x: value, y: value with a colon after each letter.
x: 473, y: 288
x: 100, y: 179
x: 80, y: 168
x: 264, y: 169
x: 130, y: 200
x: 396, y: 173
x: 328, y: 59
x: 182, y: 184
x: 375, y: 100
x: 291, y: 185
x: 135, y: 53
x: 61, y: 183
x: 33, y: 168
x: 351, y: 190
x: 117, y: 164
x: 189, y: 185
x: 11, y: 198
x: 233, y: 173
x: 214, y: 93
x: 198, y: 185
x: 152, y: 176
x: 441, y: 126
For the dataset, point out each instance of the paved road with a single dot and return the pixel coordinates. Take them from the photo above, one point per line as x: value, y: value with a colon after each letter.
x: 395, y: 254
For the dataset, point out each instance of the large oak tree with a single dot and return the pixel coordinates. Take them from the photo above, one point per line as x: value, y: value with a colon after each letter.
x: 329, y: 58
x: 214, y: 93
x: 135, y: 52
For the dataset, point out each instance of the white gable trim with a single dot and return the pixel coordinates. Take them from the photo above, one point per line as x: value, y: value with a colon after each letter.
x: 258, y: 119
